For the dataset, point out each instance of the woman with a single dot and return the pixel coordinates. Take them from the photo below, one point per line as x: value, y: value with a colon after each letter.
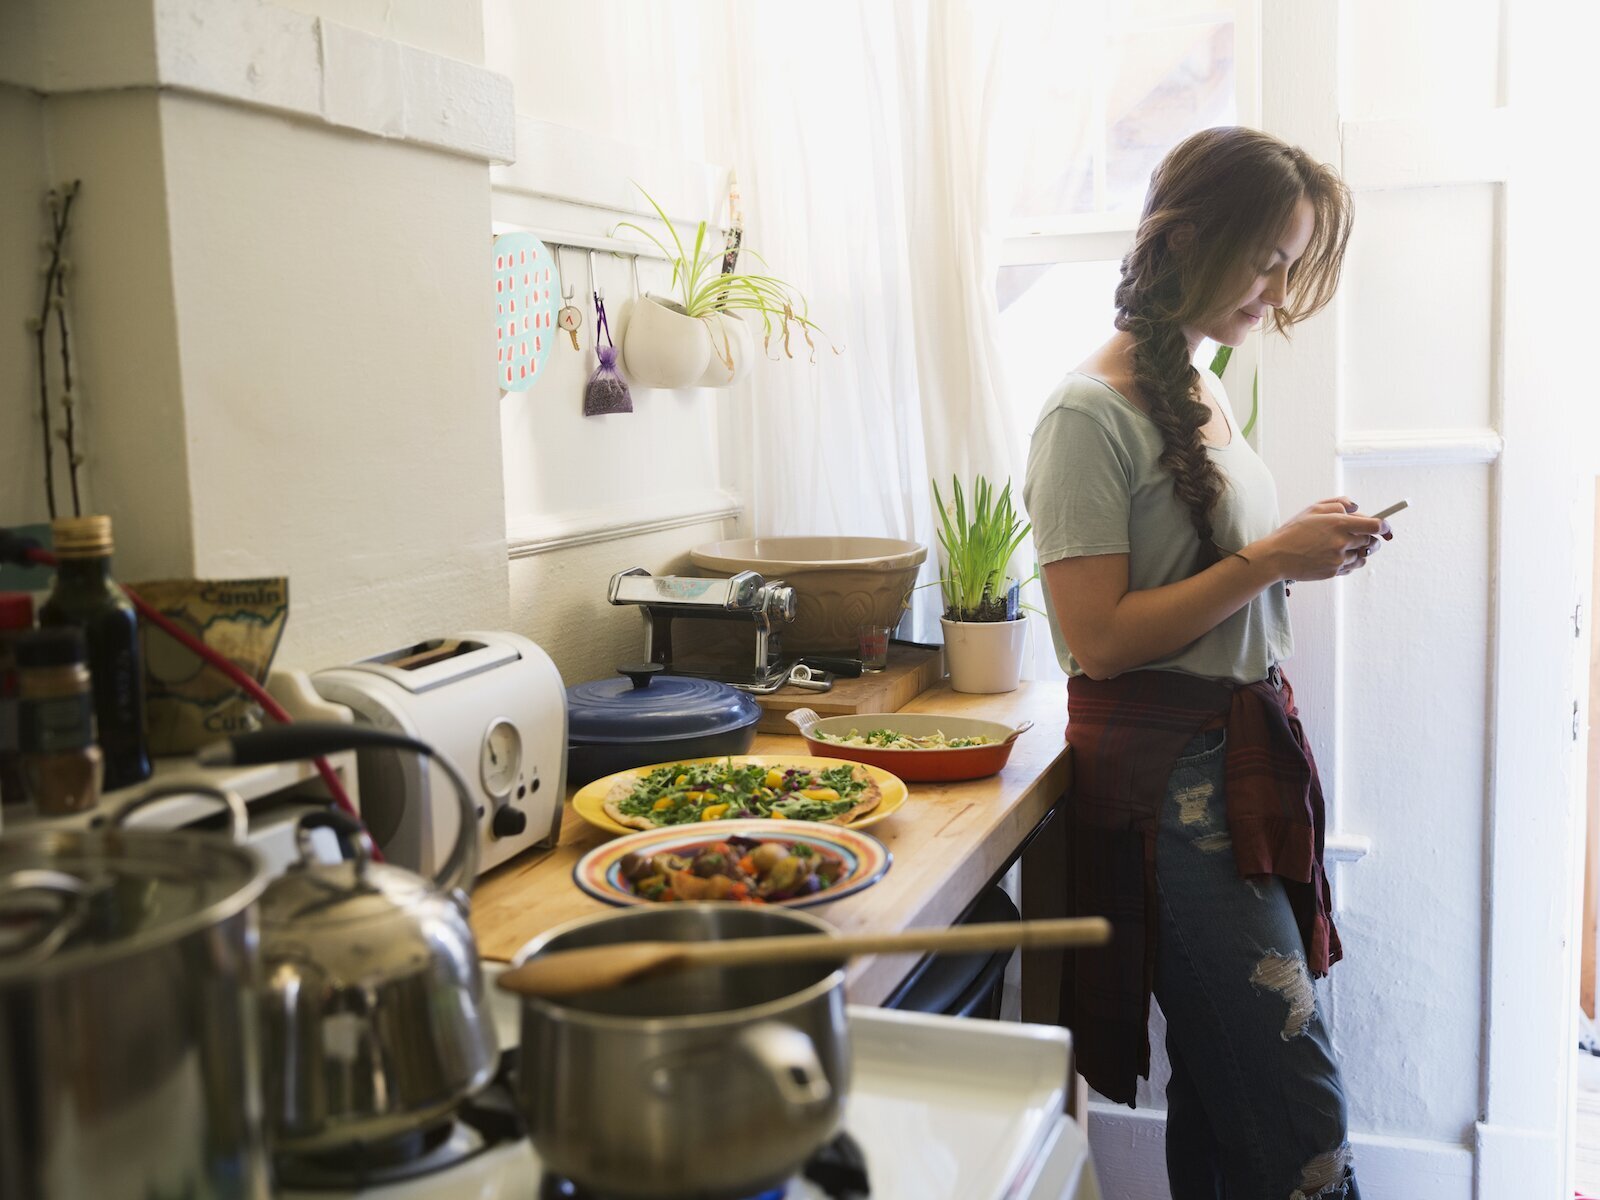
x: 1196, y: 816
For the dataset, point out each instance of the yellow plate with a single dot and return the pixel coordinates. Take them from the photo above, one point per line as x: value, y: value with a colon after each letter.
x: 590, y: 801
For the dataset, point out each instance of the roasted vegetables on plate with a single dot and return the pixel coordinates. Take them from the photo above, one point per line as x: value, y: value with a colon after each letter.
x: 742, y: 861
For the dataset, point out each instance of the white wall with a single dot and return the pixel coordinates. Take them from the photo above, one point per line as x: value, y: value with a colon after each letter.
x: 282, y: 347
x: 607, y: 93
x: 453, y: 28
x: 331, y: 299
x: 1419, y: 358
x: 282, y: 318
x: 642, y: 72
x: 125, y: 325
x: 23, y: 223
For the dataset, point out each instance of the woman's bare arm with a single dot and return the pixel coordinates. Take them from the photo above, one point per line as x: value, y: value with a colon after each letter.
x: 1111, y: 629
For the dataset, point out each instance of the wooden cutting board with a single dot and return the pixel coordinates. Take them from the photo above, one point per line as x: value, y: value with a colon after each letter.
x: 911, y: 670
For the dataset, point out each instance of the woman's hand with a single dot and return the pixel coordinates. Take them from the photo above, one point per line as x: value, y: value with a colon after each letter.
x: 1325, y: 540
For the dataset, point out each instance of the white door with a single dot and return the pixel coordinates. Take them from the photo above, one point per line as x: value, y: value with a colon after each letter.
x: 1439, y: 683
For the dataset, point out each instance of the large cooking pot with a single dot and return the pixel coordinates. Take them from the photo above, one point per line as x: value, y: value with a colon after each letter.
x: 374, y: 1020
x: 709, y: 1084
x: 648, y: 717
x: 128, y: 1057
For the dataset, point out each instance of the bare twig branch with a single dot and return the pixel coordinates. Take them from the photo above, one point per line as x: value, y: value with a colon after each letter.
x: 60, y: 206
x: 69, y: 395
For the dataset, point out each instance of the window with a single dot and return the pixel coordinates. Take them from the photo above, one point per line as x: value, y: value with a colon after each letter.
x: 1134, y: 79
x: 1156, y: 78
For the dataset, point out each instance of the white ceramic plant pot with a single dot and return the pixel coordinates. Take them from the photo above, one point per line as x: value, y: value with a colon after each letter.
x: 984, y: 656
x: 663, y: 348
x: 731, y: 343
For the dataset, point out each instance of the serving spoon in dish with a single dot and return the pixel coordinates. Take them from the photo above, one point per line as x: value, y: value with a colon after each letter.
x: 595, y: 968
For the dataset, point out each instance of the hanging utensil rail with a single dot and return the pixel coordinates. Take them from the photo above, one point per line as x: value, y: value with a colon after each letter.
x: 589, y: 241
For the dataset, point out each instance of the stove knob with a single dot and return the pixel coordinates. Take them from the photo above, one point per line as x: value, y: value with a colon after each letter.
x: 509, y: 822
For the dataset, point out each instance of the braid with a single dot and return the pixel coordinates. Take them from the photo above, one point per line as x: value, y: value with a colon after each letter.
x: 1168, y: 382
x: 1216, y: 200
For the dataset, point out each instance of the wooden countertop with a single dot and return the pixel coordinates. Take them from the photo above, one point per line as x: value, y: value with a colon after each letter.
x: 948, y: 841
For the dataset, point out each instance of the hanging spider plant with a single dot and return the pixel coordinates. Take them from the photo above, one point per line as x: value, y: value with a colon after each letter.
x: 702, y: 289
x: 978, y: 546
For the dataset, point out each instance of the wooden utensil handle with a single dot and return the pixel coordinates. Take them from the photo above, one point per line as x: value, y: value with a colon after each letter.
x: 963, y: 939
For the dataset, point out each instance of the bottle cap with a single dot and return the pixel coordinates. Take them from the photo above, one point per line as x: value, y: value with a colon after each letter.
x: 60, y: 646
x: 82, y: 537
x: 16, y: 610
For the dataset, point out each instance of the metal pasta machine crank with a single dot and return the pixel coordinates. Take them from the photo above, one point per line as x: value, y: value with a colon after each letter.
x: 726, y: 629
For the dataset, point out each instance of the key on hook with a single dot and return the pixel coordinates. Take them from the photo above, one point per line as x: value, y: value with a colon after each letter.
x: 570, y: 317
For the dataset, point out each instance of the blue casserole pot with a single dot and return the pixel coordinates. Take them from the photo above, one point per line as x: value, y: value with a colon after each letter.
x: 644, y: 716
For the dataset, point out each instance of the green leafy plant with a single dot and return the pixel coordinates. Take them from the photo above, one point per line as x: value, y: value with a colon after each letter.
x: 978, y: 545
x: 702, y: 289
x: 1219, y: 364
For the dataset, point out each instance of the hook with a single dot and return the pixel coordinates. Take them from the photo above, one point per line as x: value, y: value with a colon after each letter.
x: 567, y: 289
x: 594, y: 281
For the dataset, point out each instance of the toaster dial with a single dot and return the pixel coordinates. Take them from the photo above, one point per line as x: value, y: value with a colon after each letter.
x: 500, y: 757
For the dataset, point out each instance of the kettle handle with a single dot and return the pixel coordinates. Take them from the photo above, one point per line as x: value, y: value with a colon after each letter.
x: 352, y: 836
x: 238, y: 816
x: 311, y: 739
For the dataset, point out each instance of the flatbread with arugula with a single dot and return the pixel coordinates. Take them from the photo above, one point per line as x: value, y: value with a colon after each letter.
x: 686, y: 793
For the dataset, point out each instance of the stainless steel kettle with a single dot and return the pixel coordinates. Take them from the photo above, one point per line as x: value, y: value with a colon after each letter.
x: 374, y: 1018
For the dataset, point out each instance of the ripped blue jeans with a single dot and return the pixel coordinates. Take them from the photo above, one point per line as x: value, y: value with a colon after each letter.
x: 1255, y: 1107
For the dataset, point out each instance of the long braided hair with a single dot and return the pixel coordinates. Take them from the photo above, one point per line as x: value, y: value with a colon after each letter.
x: 1218, y: 202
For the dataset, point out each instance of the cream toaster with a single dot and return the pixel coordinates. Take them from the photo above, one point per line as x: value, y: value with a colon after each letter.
x: 494, y: 704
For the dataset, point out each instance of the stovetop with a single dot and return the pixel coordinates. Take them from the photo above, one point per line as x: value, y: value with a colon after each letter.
x: 511, y: 1172
x: 838, y: 1171
x: 485, y: 1138
x: 942, y: 1109
x: 483, y: 1153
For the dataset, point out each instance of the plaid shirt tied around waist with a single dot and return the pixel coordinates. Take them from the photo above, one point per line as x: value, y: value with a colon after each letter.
x: 1126, y: 734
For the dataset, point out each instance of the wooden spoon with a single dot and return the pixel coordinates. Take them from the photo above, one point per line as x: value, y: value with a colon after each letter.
x: 594, y: 968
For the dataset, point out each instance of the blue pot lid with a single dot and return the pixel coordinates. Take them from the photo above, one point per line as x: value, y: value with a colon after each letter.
x: 643, y: 704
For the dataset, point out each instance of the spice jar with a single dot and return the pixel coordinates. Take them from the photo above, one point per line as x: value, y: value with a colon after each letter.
x: 16, y: 619
x: 61, y: 764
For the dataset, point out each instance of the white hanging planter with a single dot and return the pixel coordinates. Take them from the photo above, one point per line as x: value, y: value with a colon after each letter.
x: 732, y: 349
x: 984, y: 656
x: 661, y: 347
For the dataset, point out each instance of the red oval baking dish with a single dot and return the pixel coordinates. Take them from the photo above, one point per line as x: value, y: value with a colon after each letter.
x: 932, y: 765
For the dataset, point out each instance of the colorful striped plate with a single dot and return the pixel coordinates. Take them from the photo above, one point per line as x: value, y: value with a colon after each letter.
x: 599, y: 872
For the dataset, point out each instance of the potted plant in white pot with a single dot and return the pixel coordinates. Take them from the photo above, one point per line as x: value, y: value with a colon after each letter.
x: 985, y: 629
x: 699, y: 336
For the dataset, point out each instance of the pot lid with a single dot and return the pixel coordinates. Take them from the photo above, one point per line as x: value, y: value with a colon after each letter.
x: 320, y: 895
x: 71, y: 898
x: 643, y: 704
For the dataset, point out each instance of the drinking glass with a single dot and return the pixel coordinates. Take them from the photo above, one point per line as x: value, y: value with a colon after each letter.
x: 873, y: 642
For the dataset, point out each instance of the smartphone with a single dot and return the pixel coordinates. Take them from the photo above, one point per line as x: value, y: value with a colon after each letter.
x: 1391, y: 510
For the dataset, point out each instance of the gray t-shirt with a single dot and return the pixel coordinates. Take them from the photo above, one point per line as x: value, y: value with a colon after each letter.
x: 1095, y: 486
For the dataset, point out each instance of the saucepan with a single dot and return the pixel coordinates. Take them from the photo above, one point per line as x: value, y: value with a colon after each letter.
x: 127, y: 963
x: 708, y: 1084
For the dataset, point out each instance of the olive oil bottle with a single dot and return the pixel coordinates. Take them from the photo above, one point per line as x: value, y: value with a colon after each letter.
x: 86, y: 596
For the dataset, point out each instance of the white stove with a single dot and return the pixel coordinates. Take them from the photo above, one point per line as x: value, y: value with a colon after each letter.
x: 942, y: 1109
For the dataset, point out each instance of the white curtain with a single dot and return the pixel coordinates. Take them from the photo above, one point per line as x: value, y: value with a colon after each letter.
x: 872, y: 140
